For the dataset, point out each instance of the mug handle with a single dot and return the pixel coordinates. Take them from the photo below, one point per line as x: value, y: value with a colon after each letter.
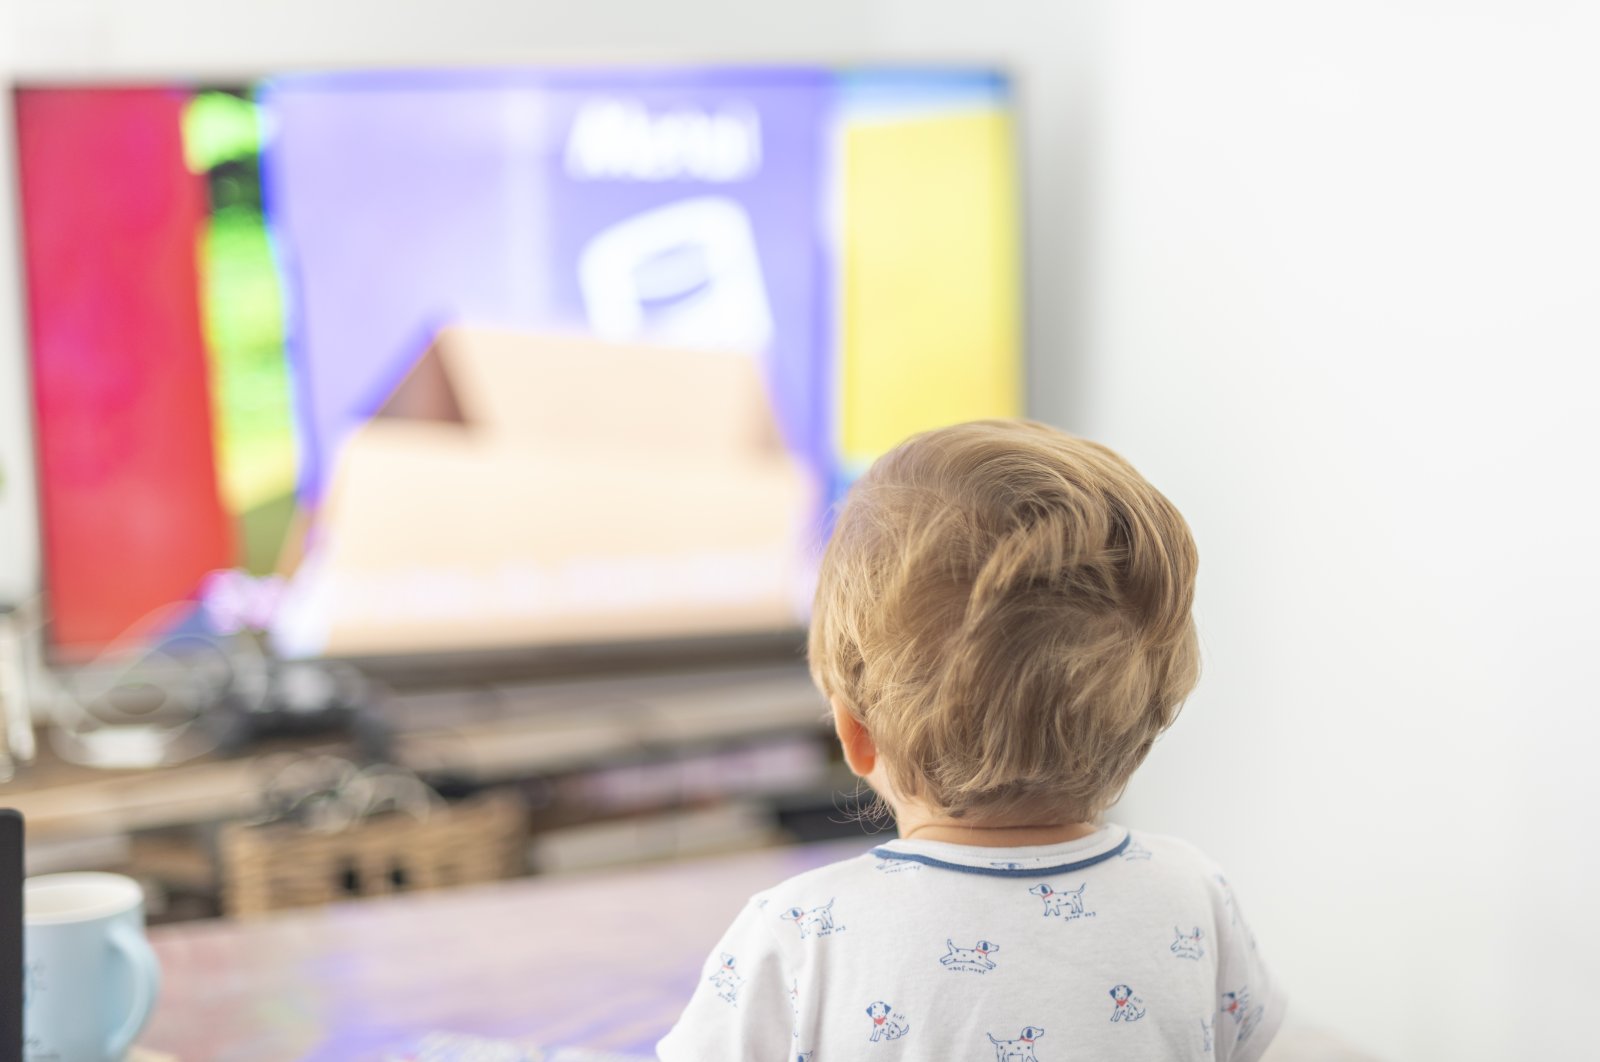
x: 146, y: 982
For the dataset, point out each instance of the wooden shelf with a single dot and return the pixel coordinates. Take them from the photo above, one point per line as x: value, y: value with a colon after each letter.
x: 482, y: 736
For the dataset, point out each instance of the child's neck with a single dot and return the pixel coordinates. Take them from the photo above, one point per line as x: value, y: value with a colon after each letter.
x: 989, y: 835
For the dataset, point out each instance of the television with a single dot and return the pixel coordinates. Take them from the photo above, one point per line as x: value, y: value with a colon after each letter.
x: 379, y: 363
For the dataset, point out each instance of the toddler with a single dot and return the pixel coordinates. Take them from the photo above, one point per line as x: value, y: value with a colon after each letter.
x: 1002, y: 627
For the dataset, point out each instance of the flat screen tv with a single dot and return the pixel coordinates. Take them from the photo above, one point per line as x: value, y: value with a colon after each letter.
x: 384, y: 363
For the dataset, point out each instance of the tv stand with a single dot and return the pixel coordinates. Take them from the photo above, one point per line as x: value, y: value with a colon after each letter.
x: 479, y: 736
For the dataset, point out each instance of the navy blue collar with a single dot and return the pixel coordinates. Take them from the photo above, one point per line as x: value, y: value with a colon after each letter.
x: 1006, y: 872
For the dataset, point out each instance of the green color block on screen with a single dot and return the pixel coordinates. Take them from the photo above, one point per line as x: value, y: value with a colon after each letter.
x: 219, y: 127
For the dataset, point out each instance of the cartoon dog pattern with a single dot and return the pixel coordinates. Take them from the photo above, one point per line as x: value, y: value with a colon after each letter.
x: 1127, y: 1006
x: 896, y: 866
x: 1068, y: 905
x: 1245, y: 1017
x: 975, y: 959
x: 1058, y: 901
x: 1187, y: 946
x: 1018, y: 1050
x: 726, y: 980
x: 818, y: 920
x: 886, y: 1025
x: 1227, y: 899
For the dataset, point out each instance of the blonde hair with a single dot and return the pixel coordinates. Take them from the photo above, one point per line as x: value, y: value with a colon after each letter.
x: 1006, y: 609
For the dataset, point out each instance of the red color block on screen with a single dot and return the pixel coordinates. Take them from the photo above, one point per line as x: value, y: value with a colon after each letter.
x: 132, y: 517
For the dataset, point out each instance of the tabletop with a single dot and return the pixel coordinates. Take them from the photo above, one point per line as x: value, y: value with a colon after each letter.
x: 602, y: 961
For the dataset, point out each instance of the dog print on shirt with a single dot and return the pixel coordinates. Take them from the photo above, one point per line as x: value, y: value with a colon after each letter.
x: 817, y: 922
x: 886, y: 1024
x: 1227, y: 899
x: 1245, y: 1017
x: 1125, y: 1005
x: 1187, y: 946
x: 896, y: 866
x: 1068, y: 906
x: 1018, y: 1050
x: 726, y: 981
x: 973, y: 960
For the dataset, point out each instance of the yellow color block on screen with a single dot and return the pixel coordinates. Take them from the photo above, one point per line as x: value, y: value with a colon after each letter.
x: 930, y: 332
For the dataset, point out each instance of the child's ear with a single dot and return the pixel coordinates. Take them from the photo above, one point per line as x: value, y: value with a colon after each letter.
x: 860, y: 754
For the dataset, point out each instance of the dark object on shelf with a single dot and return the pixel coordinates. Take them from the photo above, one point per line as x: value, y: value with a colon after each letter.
x: 297, y: 699
x: 187, y: 694
x: 839, y: 814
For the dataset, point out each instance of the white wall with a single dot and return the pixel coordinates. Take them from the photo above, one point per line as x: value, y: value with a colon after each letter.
x: 1327, y: 273
x: 1345, y: 313
x: 18, y: 542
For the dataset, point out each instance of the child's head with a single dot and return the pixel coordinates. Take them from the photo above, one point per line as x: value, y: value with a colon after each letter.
x: 1005, y: 609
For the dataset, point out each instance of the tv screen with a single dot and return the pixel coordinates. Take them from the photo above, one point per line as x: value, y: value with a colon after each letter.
x: 384, y: 362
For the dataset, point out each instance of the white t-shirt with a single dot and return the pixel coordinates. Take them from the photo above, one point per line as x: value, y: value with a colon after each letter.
x: 1110, y: 947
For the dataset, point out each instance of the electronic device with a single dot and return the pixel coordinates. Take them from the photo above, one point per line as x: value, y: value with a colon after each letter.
x: 175, y: 698
x: 12, y: 973
x: 384, y: 365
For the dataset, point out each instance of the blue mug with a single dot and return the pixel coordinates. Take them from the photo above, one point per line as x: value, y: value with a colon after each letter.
x: 90, y: 977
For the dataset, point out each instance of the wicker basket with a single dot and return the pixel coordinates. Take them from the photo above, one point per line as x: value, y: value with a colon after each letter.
x: 266, y: 868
